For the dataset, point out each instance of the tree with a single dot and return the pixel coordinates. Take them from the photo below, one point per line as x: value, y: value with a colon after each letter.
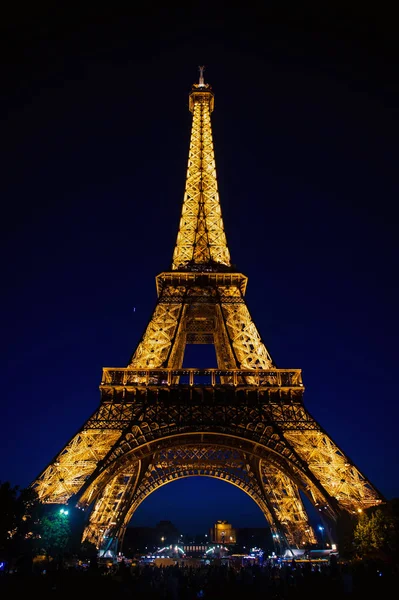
x: 55, y: 533
x: 376, y: 534
x: 8, y: 520
x: 369, y: 534
x: 19, y: 520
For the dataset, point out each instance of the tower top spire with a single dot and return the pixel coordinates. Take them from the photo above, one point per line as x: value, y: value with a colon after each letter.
x: 201, y: 77
x: 203, y: 89
x: 201, y: 240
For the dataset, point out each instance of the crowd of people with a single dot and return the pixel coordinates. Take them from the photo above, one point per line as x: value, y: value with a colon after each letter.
x: 278, y: 581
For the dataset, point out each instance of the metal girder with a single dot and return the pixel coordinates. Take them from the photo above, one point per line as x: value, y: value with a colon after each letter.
x: 201, y: 239
x: 229, y: 327
x: 338, y: 475
x: 103, y: 459
x: 243, y: 422
x: 274, y: 493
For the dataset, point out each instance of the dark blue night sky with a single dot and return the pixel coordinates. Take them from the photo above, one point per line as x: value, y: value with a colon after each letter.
x: 94, y: 139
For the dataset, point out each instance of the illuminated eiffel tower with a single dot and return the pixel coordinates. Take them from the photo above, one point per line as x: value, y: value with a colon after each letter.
x: 243, y: 422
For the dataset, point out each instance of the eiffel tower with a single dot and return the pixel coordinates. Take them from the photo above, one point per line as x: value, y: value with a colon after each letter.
x: 243, y: 422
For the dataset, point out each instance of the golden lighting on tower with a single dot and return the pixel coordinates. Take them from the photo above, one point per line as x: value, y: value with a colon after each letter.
x: 243, y: 422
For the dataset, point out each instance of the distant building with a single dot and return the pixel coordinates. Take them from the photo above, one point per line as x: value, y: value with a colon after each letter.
x: 223, y: 533
x: 166, y: 533
x: 195, y: 549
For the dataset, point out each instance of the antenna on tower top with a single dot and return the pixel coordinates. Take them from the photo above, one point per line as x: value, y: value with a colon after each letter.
x: 201, y: 77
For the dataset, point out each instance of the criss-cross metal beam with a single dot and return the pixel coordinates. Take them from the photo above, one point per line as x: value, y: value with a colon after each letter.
x: 243, y: 421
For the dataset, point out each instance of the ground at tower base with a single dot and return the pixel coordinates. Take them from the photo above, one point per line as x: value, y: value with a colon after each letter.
x: 275, y: 579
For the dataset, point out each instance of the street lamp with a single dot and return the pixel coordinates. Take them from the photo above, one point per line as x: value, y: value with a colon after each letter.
x: 321, y: 529
x: 276, y: 544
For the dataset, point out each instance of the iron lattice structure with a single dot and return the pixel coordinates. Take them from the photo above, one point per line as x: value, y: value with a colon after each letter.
x: 243, y: 422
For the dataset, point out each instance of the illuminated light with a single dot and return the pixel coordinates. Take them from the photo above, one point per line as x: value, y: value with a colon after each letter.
x: 359, y: 510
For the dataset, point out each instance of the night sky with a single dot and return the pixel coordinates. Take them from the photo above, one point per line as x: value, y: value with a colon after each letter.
x: 95, y: 133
